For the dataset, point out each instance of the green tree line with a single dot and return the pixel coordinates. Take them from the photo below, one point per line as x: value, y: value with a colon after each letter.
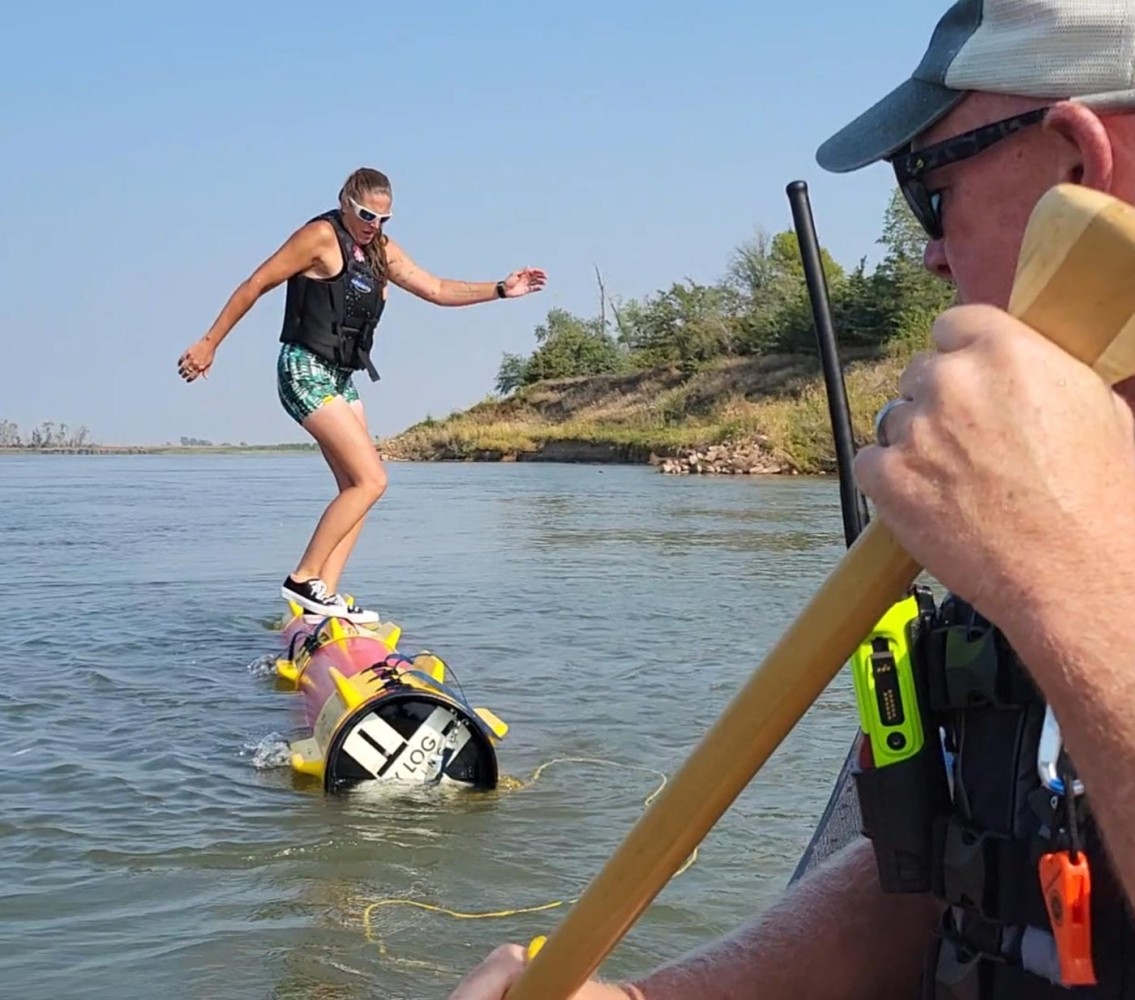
x: 47, y: 435
x: 760, y: 306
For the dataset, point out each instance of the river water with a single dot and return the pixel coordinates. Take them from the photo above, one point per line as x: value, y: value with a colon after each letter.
x: 153, y: 844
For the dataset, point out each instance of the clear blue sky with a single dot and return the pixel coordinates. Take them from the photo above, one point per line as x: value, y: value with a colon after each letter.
x: 154, y: 154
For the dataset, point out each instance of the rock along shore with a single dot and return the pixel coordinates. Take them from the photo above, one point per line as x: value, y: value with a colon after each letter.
x: 746, y: 459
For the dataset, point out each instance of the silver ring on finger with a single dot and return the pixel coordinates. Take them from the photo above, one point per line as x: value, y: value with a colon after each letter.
x: 881, y: 420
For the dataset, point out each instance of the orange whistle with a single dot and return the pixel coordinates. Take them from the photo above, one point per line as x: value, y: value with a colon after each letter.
x: 1067, y: 887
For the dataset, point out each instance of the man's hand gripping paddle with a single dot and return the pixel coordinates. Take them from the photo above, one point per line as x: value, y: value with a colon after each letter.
x: 1074, y: 285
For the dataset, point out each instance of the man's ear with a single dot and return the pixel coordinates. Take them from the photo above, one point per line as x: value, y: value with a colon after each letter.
x: 1091, y: 155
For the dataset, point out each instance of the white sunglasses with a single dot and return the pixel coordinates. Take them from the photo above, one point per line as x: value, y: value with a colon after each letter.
x: 366, y: 214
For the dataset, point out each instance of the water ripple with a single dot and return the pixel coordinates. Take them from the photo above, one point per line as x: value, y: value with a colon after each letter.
x: 155, y: 840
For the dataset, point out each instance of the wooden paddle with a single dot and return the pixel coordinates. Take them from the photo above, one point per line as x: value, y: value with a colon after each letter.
x: 1075, y: 284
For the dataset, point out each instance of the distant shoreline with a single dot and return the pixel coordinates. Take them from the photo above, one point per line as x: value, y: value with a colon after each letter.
x: 154, y: 449
x: 763, y: 415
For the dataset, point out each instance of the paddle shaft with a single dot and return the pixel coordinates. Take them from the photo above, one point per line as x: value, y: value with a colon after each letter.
x: 1072, y: 285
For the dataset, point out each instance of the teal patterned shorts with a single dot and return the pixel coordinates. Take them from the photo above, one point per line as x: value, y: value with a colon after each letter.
x: 305, y: 382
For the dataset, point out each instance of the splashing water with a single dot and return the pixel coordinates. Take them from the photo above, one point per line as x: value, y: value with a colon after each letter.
x: 263, y: 666
x: 269, y: 752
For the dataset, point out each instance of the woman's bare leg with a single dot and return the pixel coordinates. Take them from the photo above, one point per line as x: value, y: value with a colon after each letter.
x: 345, y: 442
x: 332, y: 569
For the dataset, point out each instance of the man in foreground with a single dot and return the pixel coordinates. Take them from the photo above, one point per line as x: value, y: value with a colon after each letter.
x: 1008, y: 471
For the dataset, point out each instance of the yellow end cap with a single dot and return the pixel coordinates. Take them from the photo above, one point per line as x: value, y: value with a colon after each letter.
x: 491, y: 720
x: 534, y: 946
x: 432, y: 665
x: 307, y: 757
x: 303, y: 765
x: 288, y: 670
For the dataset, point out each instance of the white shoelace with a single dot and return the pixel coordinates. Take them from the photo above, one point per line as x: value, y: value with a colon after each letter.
x: 319, y: 592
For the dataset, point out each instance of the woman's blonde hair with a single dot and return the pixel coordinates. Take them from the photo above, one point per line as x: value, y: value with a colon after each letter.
x: 362, y: 182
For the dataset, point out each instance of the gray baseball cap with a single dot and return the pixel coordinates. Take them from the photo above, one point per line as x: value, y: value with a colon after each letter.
x: 1082, y: 49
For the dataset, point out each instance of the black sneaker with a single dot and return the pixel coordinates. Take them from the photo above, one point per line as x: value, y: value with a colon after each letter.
x: 312, y: 596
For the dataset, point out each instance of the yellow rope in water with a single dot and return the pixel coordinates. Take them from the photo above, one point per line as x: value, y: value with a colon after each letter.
x: 515, y: 784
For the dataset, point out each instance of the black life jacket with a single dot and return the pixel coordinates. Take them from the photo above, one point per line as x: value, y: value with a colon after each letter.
x: 335, y: 318
x: 974, y: 826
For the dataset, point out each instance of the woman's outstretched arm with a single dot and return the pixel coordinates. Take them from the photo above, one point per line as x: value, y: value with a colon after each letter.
x: 306, y: 248
x: 413, y: 278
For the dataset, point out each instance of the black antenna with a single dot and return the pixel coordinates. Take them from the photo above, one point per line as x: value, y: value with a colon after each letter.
x: 854, y: 506
x: 843, y: 807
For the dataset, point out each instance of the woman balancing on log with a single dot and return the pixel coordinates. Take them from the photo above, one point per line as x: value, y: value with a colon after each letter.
x: 337, y: 268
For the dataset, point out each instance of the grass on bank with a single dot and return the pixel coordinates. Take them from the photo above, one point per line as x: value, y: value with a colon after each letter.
x: 777, y: 403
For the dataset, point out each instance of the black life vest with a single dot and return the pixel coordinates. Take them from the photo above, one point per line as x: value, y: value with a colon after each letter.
x: 335, y: 318
x: 971, y: 830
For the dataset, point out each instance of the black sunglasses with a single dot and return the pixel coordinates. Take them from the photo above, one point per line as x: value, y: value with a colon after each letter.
x: 912, y: 166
